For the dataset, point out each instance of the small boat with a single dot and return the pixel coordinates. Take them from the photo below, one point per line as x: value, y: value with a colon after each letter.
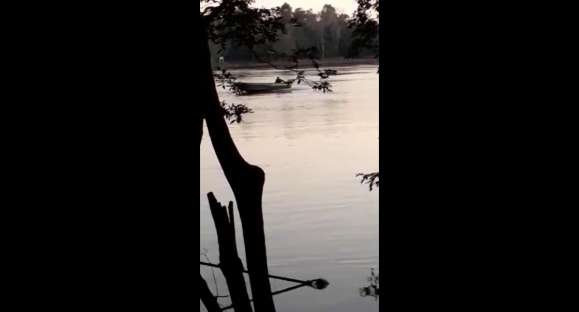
x: 250, y: 87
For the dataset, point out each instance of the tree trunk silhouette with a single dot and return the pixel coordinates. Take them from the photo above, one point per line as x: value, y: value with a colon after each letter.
x: 199, y: 125
x: 246, y: 182
x: 229, y: 261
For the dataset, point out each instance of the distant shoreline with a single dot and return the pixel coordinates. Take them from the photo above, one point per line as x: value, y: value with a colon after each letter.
x: 305, y: 63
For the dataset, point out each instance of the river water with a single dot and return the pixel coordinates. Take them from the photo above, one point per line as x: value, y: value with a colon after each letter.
x: 320, y: 222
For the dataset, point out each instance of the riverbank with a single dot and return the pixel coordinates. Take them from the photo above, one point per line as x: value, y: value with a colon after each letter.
x: 305, y: 63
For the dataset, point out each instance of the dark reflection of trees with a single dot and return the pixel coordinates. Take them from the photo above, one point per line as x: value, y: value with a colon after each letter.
x: 373, y: 289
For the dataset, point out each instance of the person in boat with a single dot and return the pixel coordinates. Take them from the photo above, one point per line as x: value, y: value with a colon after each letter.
x: 279, y: 80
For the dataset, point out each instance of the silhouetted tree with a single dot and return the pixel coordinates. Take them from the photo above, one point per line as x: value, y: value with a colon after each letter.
x: 286, y: 41
x: 366, y: 33
x: 328, y: 32
x: 235, y: 21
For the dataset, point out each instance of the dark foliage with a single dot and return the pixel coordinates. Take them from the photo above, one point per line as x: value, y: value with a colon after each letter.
x: 285, y: 30
x: 323, y: 86
x: 365, y: 33
x: 226, y: 80
x: 373, y: 289
x: 234, y: 112
x: 236, y: 22
x: 372, y: 179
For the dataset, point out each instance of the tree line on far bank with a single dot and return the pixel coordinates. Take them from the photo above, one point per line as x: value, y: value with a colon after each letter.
x: 326, y: 33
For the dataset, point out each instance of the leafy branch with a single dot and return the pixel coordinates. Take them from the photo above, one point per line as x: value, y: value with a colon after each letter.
x: 234, y: 112
x: 373, y: 289
x: 372, y: 179
x: 226, y: 80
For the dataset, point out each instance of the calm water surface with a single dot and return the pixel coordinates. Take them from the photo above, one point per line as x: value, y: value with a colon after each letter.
x: 320, y: 222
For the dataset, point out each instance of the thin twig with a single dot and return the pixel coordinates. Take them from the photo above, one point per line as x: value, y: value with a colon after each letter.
x: 283, y: 278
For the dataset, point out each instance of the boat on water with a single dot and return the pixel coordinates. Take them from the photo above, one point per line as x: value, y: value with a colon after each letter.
x: 254, y: 87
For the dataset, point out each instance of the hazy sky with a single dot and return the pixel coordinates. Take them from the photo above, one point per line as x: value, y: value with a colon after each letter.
x: 342, y: 6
